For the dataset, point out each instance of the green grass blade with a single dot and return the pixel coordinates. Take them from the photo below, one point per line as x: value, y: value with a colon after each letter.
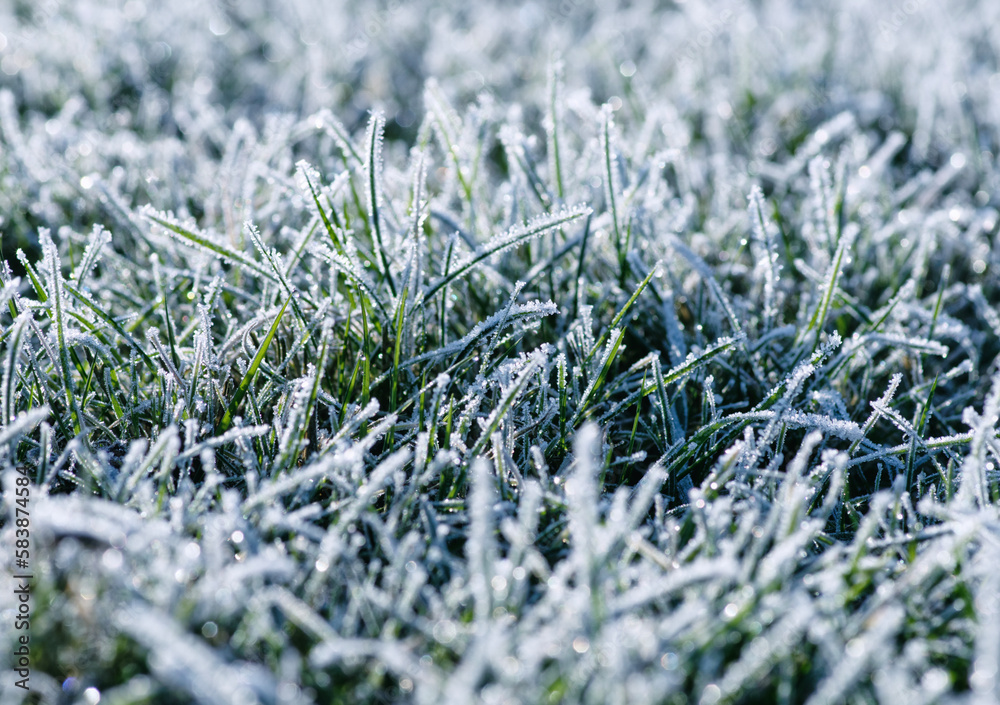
x: 609, y: 184
x: 512, y: 238
x: 552, y: 125
x: 202, y: 242
x: 58, y: 316
x: 623, y: 311
x: 33, y: 276
x: 308, y: 175
x: 241, y: 391
x: 592, y: 390
x: 111, y: 322
x: 372, y: 168
x: 10, y: 367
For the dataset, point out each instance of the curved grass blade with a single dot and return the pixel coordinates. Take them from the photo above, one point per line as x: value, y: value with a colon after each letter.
x: 308, y: 174
x: 510, y: 396
x: 512, y: 238
x: 10, y: 372
x: 591, y: 392
x: 115, y: 325
x: 819, y: 317
x: 621, y: 313
x: 227, y: 419
x: 33, y: 276
x: 203, y: 242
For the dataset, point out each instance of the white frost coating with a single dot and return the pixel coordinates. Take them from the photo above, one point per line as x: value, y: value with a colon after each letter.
x: 518, y: 234
x: 99, y: 238
x: 840, y: 428
x: 792, y: 539
x: 22, y: 423
x: 481, y: 549
x: 190, y: 665
x: 974, y: 486
x: 530, y: 311
x: 766, y: 253
x: 582, y: 498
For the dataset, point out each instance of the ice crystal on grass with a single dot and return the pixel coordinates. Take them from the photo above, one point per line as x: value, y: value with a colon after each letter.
x: 503, y: 353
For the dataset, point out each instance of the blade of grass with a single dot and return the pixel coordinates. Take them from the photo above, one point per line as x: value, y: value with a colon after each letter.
x: 591, y: 392
x: 227, y: 419
x: 514, y: 237
x: 622, y: 312
x: 10, y: 366
x: 204, y: 243
x: 373, y: 167
x: 57, y: 315
x: 308, y: 175
x: 115, y: 325
x: 397, y: 347
x: 609, y: 183
x: 552, y: 125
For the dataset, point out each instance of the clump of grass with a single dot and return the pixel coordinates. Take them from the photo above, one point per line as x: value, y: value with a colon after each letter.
x: 543, y: 400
